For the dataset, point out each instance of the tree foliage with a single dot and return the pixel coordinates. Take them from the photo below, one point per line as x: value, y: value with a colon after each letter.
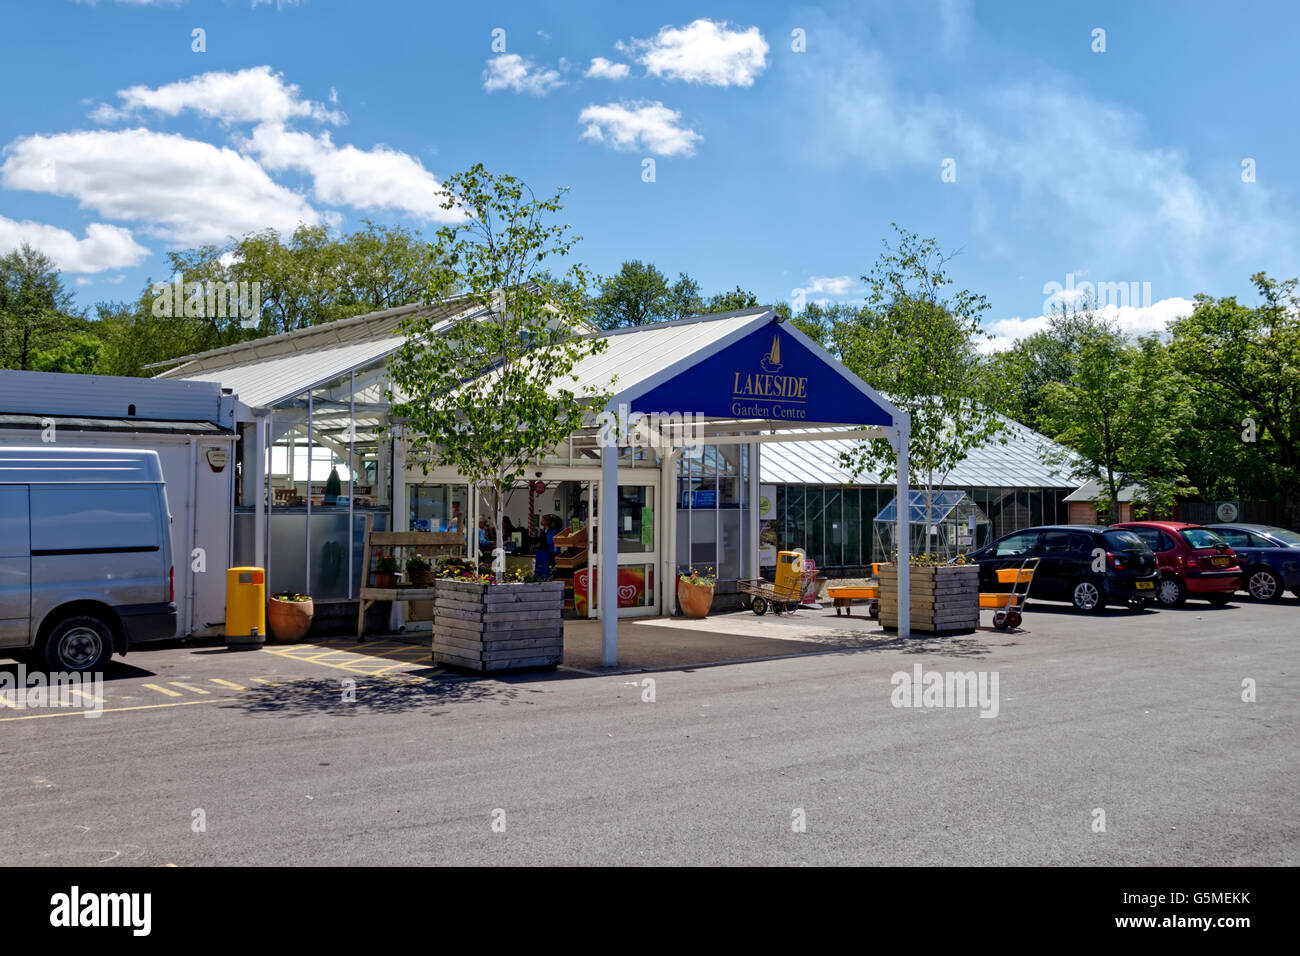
x: 493, y: 393
x: 915, y: 341
x: 36, y: 311
x: 1246, y: 361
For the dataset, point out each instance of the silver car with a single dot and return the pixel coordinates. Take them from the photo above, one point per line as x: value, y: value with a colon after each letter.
x: 85, y: 555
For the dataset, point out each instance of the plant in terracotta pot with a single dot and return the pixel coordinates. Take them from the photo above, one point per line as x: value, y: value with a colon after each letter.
x: 386, y: 572
x: 418, y: 571
x: 288, y: 615
x: 695, y: 591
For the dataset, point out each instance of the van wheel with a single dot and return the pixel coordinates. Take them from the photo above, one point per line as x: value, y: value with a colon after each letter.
x: 1088, y: 596
x: 80, y: 643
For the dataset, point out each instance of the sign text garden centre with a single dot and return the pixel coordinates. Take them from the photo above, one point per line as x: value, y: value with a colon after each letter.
x: 771, y: 375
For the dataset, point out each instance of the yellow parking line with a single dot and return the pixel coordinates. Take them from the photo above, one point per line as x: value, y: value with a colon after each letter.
x: 190, y: 687
x: 227, y: 683
x: 162, y: 690
x: 5, y: 702
x: 110, y: 710
x: 262, y: 680
x: 89, y: 696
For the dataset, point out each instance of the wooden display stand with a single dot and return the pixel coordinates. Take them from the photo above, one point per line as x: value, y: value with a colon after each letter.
x: 428, y: 544
x: 570, y: 557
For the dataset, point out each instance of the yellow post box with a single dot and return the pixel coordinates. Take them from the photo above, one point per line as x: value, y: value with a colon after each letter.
x: 245, y: 607
x: 789, y: 573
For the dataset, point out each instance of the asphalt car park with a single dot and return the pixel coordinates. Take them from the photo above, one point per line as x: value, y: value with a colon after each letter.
x: 1138, y: 714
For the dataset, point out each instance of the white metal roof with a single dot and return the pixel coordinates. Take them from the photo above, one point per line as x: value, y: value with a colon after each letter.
x: 270, y: 381
x: 1091, y: 489
x: 636, y: 355
x: 1016, y: 464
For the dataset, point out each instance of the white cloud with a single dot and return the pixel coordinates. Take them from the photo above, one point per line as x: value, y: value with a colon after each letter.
x: 652, y: 127
x: 510, y: 71
x: 104, y: 246
x: 703, y: 52
x: 254, y: 95
x: 1132, y: 320
x: 181, y: 189
x: 603, y: 69
x: 378, y: 178
x: 828, y: 285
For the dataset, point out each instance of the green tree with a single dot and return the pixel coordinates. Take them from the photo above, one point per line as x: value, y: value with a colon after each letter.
x: 36, y: 311
x: 732, y: 301
x: 1014, y: 379
x: 78, y: 353
x: 1247, y: 360
x: 1122, y: 412
x: 914, y: 341
x: 637, y: 295
x: 493, y: 393
x: 684, y: 298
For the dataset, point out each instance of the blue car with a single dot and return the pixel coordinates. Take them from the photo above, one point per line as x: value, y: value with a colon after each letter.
x: 1269, y: 558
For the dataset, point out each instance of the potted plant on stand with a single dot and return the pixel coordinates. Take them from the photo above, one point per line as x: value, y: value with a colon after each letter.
x: 386, y: 572
x: 695, y: 591
x: 288, y: 615
x: 418, y: 571
x: 491, y: 393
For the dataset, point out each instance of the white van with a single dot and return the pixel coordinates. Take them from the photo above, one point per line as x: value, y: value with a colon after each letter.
x: 85, y: 555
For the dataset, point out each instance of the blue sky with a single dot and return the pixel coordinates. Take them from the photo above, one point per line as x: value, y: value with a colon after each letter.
x: 774, y: 169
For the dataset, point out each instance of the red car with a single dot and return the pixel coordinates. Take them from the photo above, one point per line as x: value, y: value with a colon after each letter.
x: 1193, y: 561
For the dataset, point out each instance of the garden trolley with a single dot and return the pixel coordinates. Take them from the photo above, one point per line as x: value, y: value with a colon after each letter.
x: 1010, y: 604
x: 779, y: 597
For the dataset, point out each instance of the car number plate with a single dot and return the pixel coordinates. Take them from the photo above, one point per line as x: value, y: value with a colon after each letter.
x: 1219, y: 562
x: 1145, y: 585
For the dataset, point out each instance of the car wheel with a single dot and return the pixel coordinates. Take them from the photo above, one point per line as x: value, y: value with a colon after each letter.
x: 1264, y: 585
x: 1088, y: 596
x: 758, y: 606
x: 1170, y: 592
x: 78, y: 644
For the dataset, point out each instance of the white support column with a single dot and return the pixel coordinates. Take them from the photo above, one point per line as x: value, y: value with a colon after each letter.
x: 257, y: 463
x: 607, y: 566
x: 751, y: 558
x: 904, y: 532
x: 666, y: 540
x: 400, y: 519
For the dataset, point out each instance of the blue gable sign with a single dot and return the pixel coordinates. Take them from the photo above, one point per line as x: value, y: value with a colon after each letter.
x: 768, y: 374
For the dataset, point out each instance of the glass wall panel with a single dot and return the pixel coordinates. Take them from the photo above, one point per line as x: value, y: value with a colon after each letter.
x: 833, y: 524
x: 815, y: 504
x: 852, y: 525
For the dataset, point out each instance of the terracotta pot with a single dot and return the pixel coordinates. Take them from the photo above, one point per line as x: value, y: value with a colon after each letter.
x: 385, y: 580
x: 289, y: 621
x: 694, y: 599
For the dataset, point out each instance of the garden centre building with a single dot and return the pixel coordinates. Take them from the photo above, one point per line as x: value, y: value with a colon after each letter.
x: 766, y: 475
x: 775, y: 412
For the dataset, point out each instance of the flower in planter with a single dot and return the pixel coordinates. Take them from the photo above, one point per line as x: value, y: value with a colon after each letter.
x: 291, y: 596
x: 703, y: 579
x: 386, y: 565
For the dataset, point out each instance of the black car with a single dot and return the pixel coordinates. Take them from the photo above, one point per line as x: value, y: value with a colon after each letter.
x: 1090, y: 567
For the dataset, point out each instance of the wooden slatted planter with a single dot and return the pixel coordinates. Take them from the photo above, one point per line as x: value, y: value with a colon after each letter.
x: 944, y: 600
x: 497, y: 627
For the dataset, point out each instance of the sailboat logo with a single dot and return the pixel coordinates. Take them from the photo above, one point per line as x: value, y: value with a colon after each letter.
x: 771, y: 362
